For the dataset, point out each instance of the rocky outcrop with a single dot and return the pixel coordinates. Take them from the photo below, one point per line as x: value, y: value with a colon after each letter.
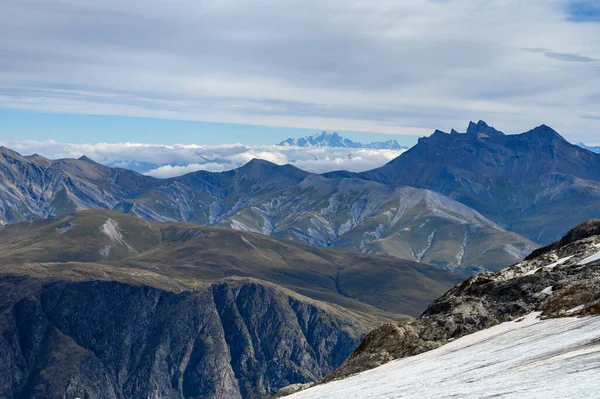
x: 562, y: 280
x: 97, y: 338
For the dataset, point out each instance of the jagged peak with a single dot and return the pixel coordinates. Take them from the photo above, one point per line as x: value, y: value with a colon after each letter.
x: 483, y: 127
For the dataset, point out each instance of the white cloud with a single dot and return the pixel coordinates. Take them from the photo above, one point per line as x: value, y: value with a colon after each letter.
x: 165, y: 161
x: 365, y: 65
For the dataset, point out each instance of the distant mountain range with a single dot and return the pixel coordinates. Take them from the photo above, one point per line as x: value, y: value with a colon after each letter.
x: 595, y: 149
x: 326, y: 139
x: 279, y: 201
x: 462, y: 201
x: 535, y: 184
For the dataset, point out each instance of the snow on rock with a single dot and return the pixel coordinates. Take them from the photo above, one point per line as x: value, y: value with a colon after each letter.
x: 524, y: 358
x: 550, y: 266
x: 590, y: 259
x: 548, y: 290
x: 576, y: 309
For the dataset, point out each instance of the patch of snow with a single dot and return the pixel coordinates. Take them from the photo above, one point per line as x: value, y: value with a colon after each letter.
x: 558, y: 262
x: 528, y: 358
x: 548, y: 290
x: 550, y: 266
x: 346, y: 227
x: 576, y: 309
x: 590, y: 259
x: 378, y: 233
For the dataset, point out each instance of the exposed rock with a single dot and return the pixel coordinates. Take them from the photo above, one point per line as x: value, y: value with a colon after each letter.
x: 535, y: 184
x: 110, y: 339
x: 290, y: 389
x: 563, y: 280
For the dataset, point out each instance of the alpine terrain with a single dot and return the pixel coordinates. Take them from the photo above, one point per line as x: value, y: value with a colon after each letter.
x: 530, y: 329
x: 527, y: 183
x: 280, y: 201
x: 99, y: 304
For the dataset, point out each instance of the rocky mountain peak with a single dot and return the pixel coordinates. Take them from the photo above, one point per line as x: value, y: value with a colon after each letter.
x: 544, y: 133
x: 85, y: 158
x: 327, y: 139
x: 482, y: 127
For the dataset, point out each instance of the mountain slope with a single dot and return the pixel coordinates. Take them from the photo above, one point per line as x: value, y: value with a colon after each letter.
x: 595, y: 149
x: 530, y: 358
x: 180, y: 250
x: 400, y: 221
x: 527, y: 183
x: 326, y: 139
x: 100, y: 331
x: 557, y: 281
x: 100, y: 304
x: 282, y: 201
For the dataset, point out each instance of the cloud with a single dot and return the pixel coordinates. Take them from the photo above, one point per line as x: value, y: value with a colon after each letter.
x: 366, y: 65
x: 562, y: 56
x: 164, y: 161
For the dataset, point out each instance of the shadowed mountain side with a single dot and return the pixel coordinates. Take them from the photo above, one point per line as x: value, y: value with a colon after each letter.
x: 103, y: 331
x: 535, y: 184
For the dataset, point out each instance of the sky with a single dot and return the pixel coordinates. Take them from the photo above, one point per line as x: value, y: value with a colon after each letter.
x: 215, y: 72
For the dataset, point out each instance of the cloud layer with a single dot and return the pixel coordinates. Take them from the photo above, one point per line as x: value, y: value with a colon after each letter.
x: 363, y: 65
x: 165, y: 161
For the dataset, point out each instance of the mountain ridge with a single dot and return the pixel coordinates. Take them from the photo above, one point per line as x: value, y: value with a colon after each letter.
x: 263, y: 197
x: 524, y: 182
x: 326, y: 139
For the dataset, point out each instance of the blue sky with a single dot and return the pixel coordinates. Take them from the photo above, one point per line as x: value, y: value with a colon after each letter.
x: 83, y: 128
x: 224, y: 71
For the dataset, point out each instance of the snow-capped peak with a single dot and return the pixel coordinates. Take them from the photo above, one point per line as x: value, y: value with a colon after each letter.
x: 327, y: 139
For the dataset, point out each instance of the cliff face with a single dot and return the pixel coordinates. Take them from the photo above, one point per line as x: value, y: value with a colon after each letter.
x: 96, y: 338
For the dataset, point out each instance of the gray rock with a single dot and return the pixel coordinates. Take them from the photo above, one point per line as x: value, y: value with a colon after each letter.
x: 110, y: 339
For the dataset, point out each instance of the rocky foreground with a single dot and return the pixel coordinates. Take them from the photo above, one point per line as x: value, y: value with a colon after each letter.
x: 561, y: 280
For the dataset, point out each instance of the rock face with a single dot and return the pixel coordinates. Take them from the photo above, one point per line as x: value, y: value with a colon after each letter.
x: 279, y: 201
x: 560, y: 280
x: 93, y: 338
x: 527, y: 183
